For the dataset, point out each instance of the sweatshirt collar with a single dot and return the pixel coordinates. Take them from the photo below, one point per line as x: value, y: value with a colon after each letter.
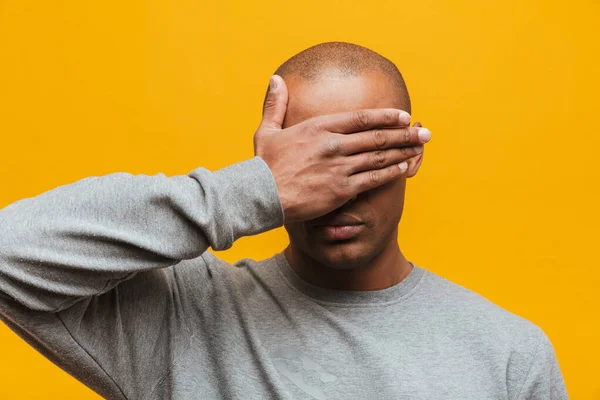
x: 350, y: 297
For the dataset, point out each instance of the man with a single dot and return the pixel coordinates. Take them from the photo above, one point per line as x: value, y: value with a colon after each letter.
x: 110, y: 278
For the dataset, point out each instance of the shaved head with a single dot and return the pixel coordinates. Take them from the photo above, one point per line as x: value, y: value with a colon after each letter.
x: 339, y: 59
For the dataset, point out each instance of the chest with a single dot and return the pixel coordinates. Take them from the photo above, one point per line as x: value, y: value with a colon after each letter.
x: 265, y: 350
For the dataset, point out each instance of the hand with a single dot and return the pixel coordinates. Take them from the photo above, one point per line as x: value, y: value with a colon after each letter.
x: 321, y: 163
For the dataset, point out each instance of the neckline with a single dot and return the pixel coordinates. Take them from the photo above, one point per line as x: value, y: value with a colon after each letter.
x: 394, y: 293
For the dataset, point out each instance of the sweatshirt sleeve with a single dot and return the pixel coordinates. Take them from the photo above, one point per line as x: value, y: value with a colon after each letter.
x: 544, y: 380
x: 96, y: 274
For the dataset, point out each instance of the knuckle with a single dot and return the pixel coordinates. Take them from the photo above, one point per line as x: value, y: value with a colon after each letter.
x: 379, y: 139
x: 361, y: 119
x: 406, y: 136
x: 374, y: 177
x: 270, y: 102
x: 314, y: 127
x: 378, y: 159
x: 390, y: 117
x: 342, y: 189
x: 332, y: 147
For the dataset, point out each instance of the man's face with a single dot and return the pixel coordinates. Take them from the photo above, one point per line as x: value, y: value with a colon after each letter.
x: 379, y: 209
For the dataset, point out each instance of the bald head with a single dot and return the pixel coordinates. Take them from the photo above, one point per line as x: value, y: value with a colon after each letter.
x: 333, y: 61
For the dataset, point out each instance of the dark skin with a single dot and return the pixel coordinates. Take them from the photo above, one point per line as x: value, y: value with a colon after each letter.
x: 372, y: 259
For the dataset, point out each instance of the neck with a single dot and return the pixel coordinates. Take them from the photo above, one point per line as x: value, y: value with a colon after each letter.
x: 386, y: 269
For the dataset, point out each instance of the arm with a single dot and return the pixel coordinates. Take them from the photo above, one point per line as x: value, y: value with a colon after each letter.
x: 543, y: 379
x: 81, y: 240
x: 82, y: 267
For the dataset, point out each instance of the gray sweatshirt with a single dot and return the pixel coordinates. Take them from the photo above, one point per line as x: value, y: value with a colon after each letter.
x: 110, y: 279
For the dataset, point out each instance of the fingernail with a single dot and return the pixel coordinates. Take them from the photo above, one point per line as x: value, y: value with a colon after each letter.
x: 273, y: 83
x: 419, y: 149
x: 404, y: 118
x: 424, y: 135
x: 403, y: 166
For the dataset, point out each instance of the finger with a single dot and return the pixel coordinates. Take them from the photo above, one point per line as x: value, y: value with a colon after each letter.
x: 381, y: 139
x: 275, y: 104
x: 368, y: 180
x: 358, y: 121
x: 417, y: 124
x: 374, y: 160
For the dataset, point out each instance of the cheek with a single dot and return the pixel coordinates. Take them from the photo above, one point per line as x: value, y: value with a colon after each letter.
x: 295, y: 230
x: 386, y: 202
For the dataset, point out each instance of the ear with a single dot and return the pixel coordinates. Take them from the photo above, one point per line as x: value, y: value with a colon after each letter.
x: 414, y: 163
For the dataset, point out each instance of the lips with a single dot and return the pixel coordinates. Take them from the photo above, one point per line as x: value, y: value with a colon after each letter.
x: 338, y: 227
x: 338, y: 232
x: 337, y: 220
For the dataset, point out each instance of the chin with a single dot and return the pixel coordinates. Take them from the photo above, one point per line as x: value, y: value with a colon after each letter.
x: 342, y: 255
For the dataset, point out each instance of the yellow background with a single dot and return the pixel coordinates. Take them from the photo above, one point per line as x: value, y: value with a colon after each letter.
x: 506, y: 202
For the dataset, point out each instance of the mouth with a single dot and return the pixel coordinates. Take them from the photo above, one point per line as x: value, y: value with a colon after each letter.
x: 339, y: 232
x: 337, y: 225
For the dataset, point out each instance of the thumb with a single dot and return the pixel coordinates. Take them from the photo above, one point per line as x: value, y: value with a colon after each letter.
x: 275, y: 103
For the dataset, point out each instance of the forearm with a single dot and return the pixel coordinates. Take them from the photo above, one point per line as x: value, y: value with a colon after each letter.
x: 81, y: 239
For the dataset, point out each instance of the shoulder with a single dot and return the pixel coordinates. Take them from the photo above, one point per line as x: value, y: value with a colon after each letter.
x: 477, y: 316
x: 237, y: 270
x: 243, y: 275
x: 487, y: 329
